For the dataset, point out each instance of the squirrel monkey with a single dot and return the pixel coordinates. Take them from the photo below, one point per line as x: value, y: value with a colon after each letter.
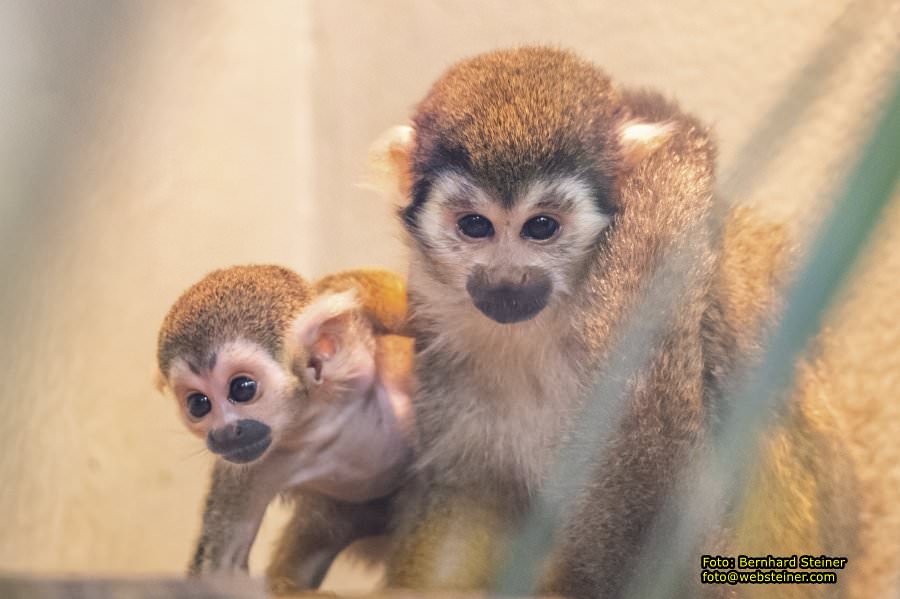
x: 300, y: 390
x: 540, y: 200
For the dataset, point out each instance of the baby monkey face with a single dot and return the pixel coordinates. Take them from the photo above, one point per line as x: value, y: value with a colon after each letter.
x: 235, y: 399
x: 512, y: 258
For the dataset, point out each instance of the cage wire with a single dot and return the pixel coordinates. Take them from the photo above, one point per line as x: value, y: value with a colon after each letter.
x: 717, y: 480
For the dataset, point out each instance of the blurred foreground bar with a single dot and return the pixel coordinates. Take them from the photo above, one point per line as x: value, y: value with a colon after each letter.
x: 34, y: 587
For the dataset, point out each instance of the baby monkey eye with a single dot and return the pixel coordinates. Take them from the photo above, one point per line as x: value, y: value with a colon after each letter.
x: 475, y: 226
x: 198, y: 405
x: 540, y: 228
x: 242, y: 389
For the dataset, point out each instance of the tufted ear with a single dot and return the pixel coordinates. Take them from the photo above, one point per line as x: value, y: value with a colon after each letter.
x: 639, y: 139
x: 389, y: 159
x: 317, y: 335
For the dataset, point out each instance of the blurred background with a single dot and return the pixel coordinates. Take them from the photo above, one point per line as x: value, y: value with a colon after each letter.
x: 143, y: 144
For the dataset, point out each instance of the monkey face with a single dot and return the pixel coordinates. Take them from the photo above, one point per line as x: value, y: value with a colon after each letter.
x: 511, y: 259
x: 246, y: 403
x: 236, y: 400
x: 507, y: 175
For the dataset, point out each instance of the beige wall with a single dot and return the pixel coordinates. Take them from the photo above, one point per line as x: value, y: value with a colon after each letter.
x: 145, y: 143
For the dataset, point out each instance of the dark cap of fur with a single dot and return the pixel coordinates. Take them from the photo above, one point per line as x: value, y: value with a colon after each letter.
x: 507, y: 117
x: 256, y: 303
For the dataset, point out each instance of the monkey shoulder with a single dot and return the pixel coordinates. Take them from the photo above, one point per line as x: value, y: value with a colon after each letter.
x: 381, y: 294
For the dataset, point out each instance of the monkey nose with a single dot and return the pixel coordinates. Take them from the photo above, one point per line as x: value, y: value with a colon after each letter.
x: 242, y: 441
x: 508, y: 300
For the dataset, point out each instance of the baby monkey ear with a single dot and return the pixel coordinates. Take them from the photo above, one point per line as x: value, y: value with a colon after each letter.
x: 389, y: 162
x: 638, y: 139
x: 316, y: 335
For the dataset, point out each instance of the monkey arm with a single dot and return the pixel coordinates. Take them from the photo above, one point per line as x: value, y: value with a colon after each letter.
x: 235, y: 505
x: 319, y: 529
x: 381, y: 293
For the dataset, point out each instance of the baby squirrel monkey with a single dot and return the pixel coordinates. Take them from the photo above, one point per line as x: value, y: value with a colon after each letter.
x: 301, y: 390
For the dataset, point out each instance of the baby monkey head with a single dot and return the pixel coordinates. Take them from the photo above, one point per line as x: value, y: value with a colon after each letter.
x: 248, y: 352
x: 509, y: 174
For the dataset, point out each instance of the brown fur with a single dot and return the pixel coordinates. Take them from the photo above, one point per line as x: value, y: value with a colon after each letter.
x: 381, y: 293
x: 826, y: 480
x: 664, y: 203
x: 255, y: 303
x: 549, y: 111
x: 264, y: 301
x: 394, y: 359
x: 494, y: 400
x: 516, y: 115
x: 260, y: 304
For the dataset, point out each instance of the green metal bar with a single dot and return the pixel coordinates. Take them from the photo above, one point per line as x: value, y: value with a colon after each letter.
x: 597, y: 422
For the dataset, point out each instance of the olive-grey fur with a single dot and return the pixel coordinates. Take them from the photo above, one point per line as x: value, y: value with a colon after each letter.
x: 494, y: 400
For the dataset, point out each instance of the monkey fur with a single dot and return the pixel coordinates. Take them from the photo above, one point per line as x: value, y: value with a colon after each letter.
x: 515, y: 320
x: 301, y: 390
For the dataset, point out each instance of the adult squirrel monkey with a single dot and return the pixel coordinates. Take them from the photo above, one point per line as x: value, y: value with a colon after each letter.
x: 540, y: 200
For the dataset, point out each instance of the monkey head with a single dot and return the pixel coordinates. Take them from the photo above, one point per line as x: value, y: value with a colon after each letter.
x: 509, y: 175
x: 250, y: 354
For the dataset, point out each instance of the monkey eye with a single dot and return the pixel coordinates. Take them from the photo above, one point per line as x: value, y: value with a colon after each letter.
x: 241, y: 389
x: 540, y: 228
x: 475, y: 226
x: 198, y: 405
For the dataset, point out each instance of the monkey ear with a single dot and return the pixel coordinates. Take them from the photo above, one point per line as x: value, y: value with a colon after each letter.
x: 389, y: 158
x: 639, y: 139
x: 316, y: 335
